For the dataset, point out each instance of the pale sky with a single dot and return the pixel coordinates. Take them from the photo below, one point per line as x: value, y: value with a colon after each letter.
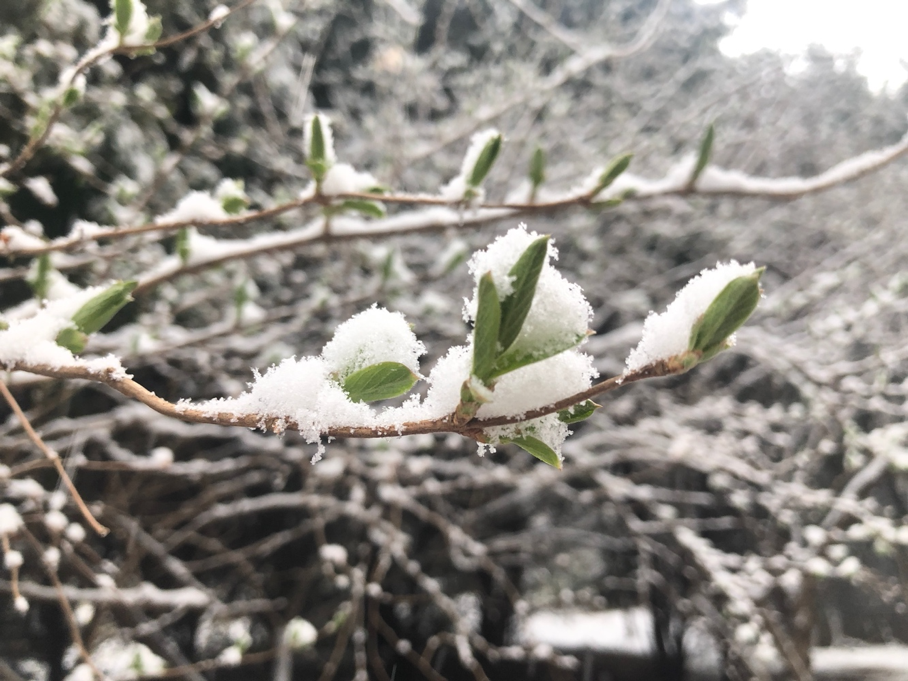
x: 876, y: 28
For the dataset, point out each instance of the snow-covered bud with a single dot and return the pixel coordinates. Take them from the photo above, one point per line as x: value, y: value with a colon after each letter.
x: 12, y: 560
x: 481, y: 154
x: 21, y: 605
x: 218, y: 14
x: 232, y: 195
x: 10, y: 520
x: 94, y: 314
x: 231, y: 656
x: 299, y: 634
x: 131, y: 24
x: 334, y: 554
x: 75, y: 533
x: 319, y: 142
x: 702, y: 319
x: 52, y: 557
x: 56, y: 521
x: 207, y: 104
x: 162, y: 456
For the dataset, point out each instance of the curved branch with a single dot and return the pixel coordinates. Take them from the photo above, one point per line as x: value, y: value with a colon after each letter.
x: 183, y: 411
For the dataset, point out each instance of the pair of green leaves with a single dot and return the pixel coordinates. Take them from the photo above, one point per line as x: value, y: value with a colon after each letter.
x: 93, y: 315
x: 498, y: 322
x: 498, y: 325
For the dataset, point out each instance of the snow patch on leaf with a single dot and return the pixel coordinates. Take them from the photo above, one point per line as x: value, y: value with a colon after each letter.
x: 667, y: 334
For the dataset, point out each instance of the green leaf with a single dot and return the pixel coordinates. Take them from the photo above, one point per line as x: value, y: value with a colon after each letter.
x: 317, y: 157
x: 537, y: 168
x: 72, y: 339
x: 706, y: 149
x: 612, y: 172
x: 233, y: 205
x: 70, y: 96
x: 40, y: 282
x: 182, y: 244
x: 486, y: 329
x: 537, y: 448
x: 94, y: 314
x: 4, y: 325
x: 155, y: 28
x: 484, y: 163
x: 379, y: 382
x: 516, y: 307
x: 370, y: 208
x: 728, y: 311
x: 122, y: 15
x: 517, y: 358
x: 579, y: 412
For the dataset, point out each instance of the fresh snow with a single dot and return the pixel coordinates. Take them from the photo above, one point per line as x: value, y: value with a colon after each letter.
x: 195, y: 206
x: 559, y: 315
x: 32, y: 340
x: 668, y: 334
x: 370, y: 337
x: 342, y: 178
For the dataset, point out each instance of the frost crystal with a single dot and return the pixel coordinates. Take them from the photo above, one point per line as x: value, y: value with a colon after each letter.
x: 668, y: 334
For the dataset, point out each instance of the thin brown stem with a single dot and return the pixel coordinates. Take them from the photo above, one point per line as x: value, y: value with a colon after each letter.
x: 54, y: 458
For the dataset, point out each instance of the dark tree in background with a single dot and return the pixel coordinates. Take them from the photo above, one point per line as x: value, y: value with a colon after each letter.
x: 755, y: 507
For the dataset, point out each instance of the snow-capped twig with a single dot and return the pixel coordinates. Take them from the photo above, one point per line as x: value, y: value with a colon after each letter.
x: 472, y: 429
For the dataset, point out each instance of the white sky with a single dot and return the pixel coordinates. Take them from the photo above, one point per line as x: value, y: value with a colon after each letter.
x: 876, y: 28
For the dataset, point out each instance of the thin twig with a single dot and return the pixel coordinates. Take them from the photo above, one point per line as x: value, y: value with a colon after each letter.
x: 53, y: 457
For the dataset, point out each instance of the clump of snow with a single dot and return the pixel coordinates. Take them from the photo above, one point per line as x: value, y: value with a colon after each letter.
x: 300, y: 390
x: 206, y: 103
x: 559, y: 316
x: 135, y: 32
x: 370, y: 337
x: 56, y: 521
x: 540, y: 384
x: 342, y: 178
x: 300, y: 633
x: 334, y: 554
x: 32, y: 340
x: 668, y: 334
x: 195, y: 206
x: 75, y: 533
x: 121, y: 660
x: 218, y: 14
x: 12, y: 560
x: 457, y: 187
x: 13, y: 238
x: 40, y: 187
